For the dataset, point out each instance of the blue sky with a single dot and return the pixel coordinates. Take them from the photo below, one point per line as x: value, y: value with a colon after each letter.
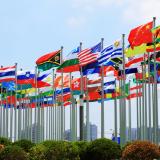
x: 31, y: 28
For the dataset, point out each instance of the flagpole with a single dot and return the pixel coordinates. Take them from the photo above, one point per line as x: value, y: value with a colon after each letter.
x: 1, y: 108
x: 15, y: 107
x: 115, y: 113
x: 155, y: 108
x: 123, y: 122
x: 129, y: 115
x: 138, y: 125
x: 102, y: 96
x: 53, y: 120
x: 55, y: 111
x: 145, y: 100
x: 143, y: 106
x: 6, y: 115
x: 81, y: 108
x: 87, y: 113
x: 62, y: 107
x: 149, y: 98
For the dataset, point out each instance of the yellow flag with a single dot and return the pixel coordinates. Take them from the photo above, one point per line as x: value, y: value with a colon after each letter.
x: 129, y: 52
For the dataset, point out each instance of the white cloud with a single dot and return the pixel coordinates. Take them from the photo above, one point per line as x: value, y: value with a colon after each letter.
x: 76, y: 22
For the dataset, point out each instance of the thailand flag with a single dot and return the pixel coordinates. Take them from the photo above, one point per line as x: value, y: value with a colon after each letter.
x: 7, y: 74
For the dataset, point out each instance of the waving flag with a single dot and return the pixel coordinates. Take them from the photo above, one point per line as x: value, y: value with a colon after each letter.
x: 141, y: 34
x: 25, y: 77
x: 49, y: 60
x: 7, y: 74
x: 89, y: 55
x: 71, y: 62
x: 110, y: 52
x: 10, y: 86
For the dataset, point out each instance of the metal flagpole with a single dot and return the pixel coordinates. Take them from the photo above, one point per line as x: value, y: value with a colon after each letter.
x: 81, y: 108
x: 138, y: 120
x: 143, y: 113
x: 35, y: 118
x: 6, y: 111
x: 145, y: 101
x: 155, y: 107
x: 149, y: 98
x: 140, y: 116
x: 123, y: 113
x: 53, y: 113
x: 129, y: 116
x: 62, y: 107
x: 102, y: 96
x: 73, y: 118
x: 1, y: 112
x: 15, y: 107
x: 115, y: 113
x: 71, y: 109
x: 87, y: 112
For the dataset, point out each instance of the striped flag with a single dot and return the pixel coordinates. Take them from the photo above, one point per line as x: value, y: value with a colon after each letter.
x: 110, y: 52
x: 89, y: 55
x: 7, y: 74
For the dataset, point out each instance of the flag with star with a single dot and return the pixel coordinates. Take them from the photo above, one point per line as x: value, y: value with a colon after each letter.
x: 49, y: 60
x: 141, y: 34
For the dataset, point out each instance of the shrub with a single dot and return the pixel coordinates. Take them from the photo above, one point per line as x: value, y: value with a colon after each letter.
x: 5, y: 141
x: 82, y: 146
x: 37, y: 152
x: 141, y: 150
x: 49, y: 143
x: 1, y: 147
x: 26, y: 145
x: 13, y: 153
x: 103, y: 149
x: 62, y: 151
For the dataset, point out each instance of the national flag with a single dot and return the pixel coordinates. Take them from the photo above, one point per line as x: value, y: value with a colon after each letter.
x: 49, y: 60
x: 134, y: 92
x: 71, y: 62
x: 10, y: 86
x: 76, y: 84
x: 58, y: 81
x: 156, y: 33
x: 135, y: 61
x: 7, y: 74
x: 42, y: 81
x: 109, y: 87
x: 91, y: 71
x: 151, y: 47
x: 109, y: 71
x: 110, y: 52
x: 89, y: 55
x: 141, y: 34
x: 130, y: 52
x: 128, y: 71
x: 25, y: 77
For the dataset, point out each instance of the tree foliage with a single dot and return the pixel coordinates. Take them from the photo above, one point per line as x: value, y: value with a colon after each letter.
x: 144, y: 150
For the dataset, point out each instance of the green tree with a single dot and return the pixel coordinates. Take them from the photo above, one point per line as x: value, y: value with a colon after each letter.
x: 13, y: 153
x: 103, y: 149
x: 5, y: 141
x: 62, y: 151
x: 82, y: 146
x: 142, y: 150
x: 37, y: 152
x: 26, y: 145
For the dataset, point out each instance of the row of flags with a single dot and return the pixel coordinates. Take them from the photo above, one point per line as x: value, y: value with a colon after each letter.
x: 29, y: 86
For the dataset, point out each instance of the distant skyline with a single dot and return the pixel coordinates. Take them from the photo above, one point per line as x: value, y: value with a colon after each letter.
x: 32, y: 28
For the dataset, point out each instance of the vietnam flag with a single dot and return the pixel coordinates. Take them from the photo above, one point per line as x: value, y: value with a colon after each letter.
x: 141, y: 34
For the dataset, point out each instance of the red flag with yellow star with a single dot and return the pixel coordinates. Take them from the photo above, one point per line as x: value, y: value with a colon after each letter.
x: 141, y: 34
